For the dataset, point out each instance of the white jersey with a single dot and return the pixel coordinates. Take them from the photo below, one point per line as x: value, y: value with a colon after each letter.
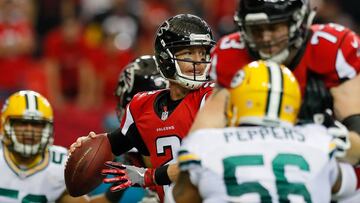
x: 43, y: 183
x: 261, y: 164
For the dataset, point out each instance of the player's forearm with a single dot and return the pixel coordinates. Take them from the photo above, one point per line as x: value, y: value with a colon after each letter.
x: 173, y: 172
x: 347, y: 98
x: 119, y: 143
x: 184, y: 191
x: 166, y: 174
x: 352, y: 122
x: 66, y: 198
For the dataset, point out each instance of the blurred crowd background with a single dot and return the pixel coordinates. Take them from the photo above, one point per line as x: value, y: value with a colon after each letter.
x: 72, y: 51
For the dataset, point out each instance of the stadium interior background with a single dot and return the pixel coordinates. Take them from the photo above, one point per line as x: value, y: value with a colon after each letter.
x: 72, y: 51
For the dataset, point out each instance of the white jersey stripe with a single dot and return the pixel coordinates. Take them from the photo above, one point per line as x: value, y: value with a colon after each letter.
x: 275, y: 91
x: 129, y: 120
x: 31, y: 99
x: 203, y: 101
x: 343, y: 68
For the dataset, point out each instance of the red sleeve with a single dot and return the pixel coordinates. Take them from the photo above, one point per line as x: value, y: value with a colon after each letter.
x: 135, y: 108
x: 335, y: 53
x: 131, y: 111
x: 350, y: 49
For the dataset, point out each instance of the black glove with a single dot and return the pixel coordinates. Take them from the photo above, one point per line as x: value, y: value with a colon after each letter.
x: 316, y: 100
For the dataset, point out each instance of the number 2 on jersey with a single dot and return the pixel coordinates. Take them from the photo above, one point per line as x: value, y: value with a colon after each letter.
x: 171, y: 142
x: 283, y: 186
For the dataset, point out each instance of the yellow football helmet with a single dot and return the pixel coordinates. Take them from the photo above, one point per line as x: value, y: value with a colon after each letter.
x: 27, y: 123
x: 263, y: 93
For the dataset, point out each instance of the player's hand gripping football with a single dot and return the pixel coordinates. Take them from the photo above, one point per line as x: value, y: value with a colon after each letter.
x: 126, y: 176
x: 80, y: 140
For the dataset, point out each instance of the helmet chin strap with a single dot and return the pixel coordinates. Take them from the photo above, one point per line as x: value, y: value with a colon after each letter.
x: 279, y: 58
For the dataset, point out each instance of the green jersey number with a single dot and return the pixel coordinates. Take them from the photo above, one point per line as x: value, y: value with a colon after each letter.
x: 13, y: 194
x: 57, y: 157
x: 284, y: 187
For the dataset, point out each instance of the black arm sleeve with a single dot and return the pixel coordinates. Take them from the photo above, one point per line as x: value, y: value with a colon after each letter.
x: 317, y: 99
x: 161, y: 176
x: 134, y: 136
x: 119, y: 143
x: 353, y: 123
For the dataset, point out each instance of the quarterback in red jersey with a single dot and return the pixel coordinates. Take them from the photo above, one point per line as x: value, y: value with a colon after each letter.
x: 156, y: 121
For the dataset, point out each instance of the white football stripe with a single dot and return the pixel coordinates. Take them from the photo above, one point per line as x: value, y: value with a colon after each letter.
x: 31, y: 98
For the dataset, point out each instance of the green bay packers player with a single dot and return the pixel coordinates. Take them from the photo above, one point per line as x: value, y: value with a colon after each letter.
x: 31, y: 167
x: 261, y: 156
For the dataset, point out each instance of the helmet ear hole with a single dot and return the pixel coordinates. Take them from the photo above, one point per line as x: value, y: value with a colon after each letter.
x: 164, y: 62
x: 167, y: 71
x: 170, y: 73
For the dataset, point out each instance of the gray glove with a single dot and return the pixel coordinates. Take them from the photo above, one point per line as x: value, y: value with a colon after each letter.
x: 126, y: 176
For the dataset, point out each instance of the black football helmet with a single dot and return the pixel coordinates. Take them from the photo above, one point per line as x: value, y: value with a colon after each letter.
x: 296, y: 13
x: 138, y: 76
x: 175, y: 34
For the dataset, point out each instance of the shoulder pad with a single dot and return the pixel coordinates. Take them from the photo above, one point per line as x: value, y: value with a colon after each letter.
x: 337, y: 43
x: 228, y: 56
x: 141, y: 97
x: 188, y: 160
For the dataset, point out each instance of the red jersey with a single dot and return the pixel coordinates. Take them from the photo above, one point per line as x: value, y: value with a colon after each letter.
x: 159, y: 136
x: 332, y: 51
x: 162, y: 134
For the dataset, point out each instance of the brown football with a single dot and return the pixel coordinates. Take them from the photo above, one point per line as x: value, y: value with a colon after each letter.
x: 84, y: 164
